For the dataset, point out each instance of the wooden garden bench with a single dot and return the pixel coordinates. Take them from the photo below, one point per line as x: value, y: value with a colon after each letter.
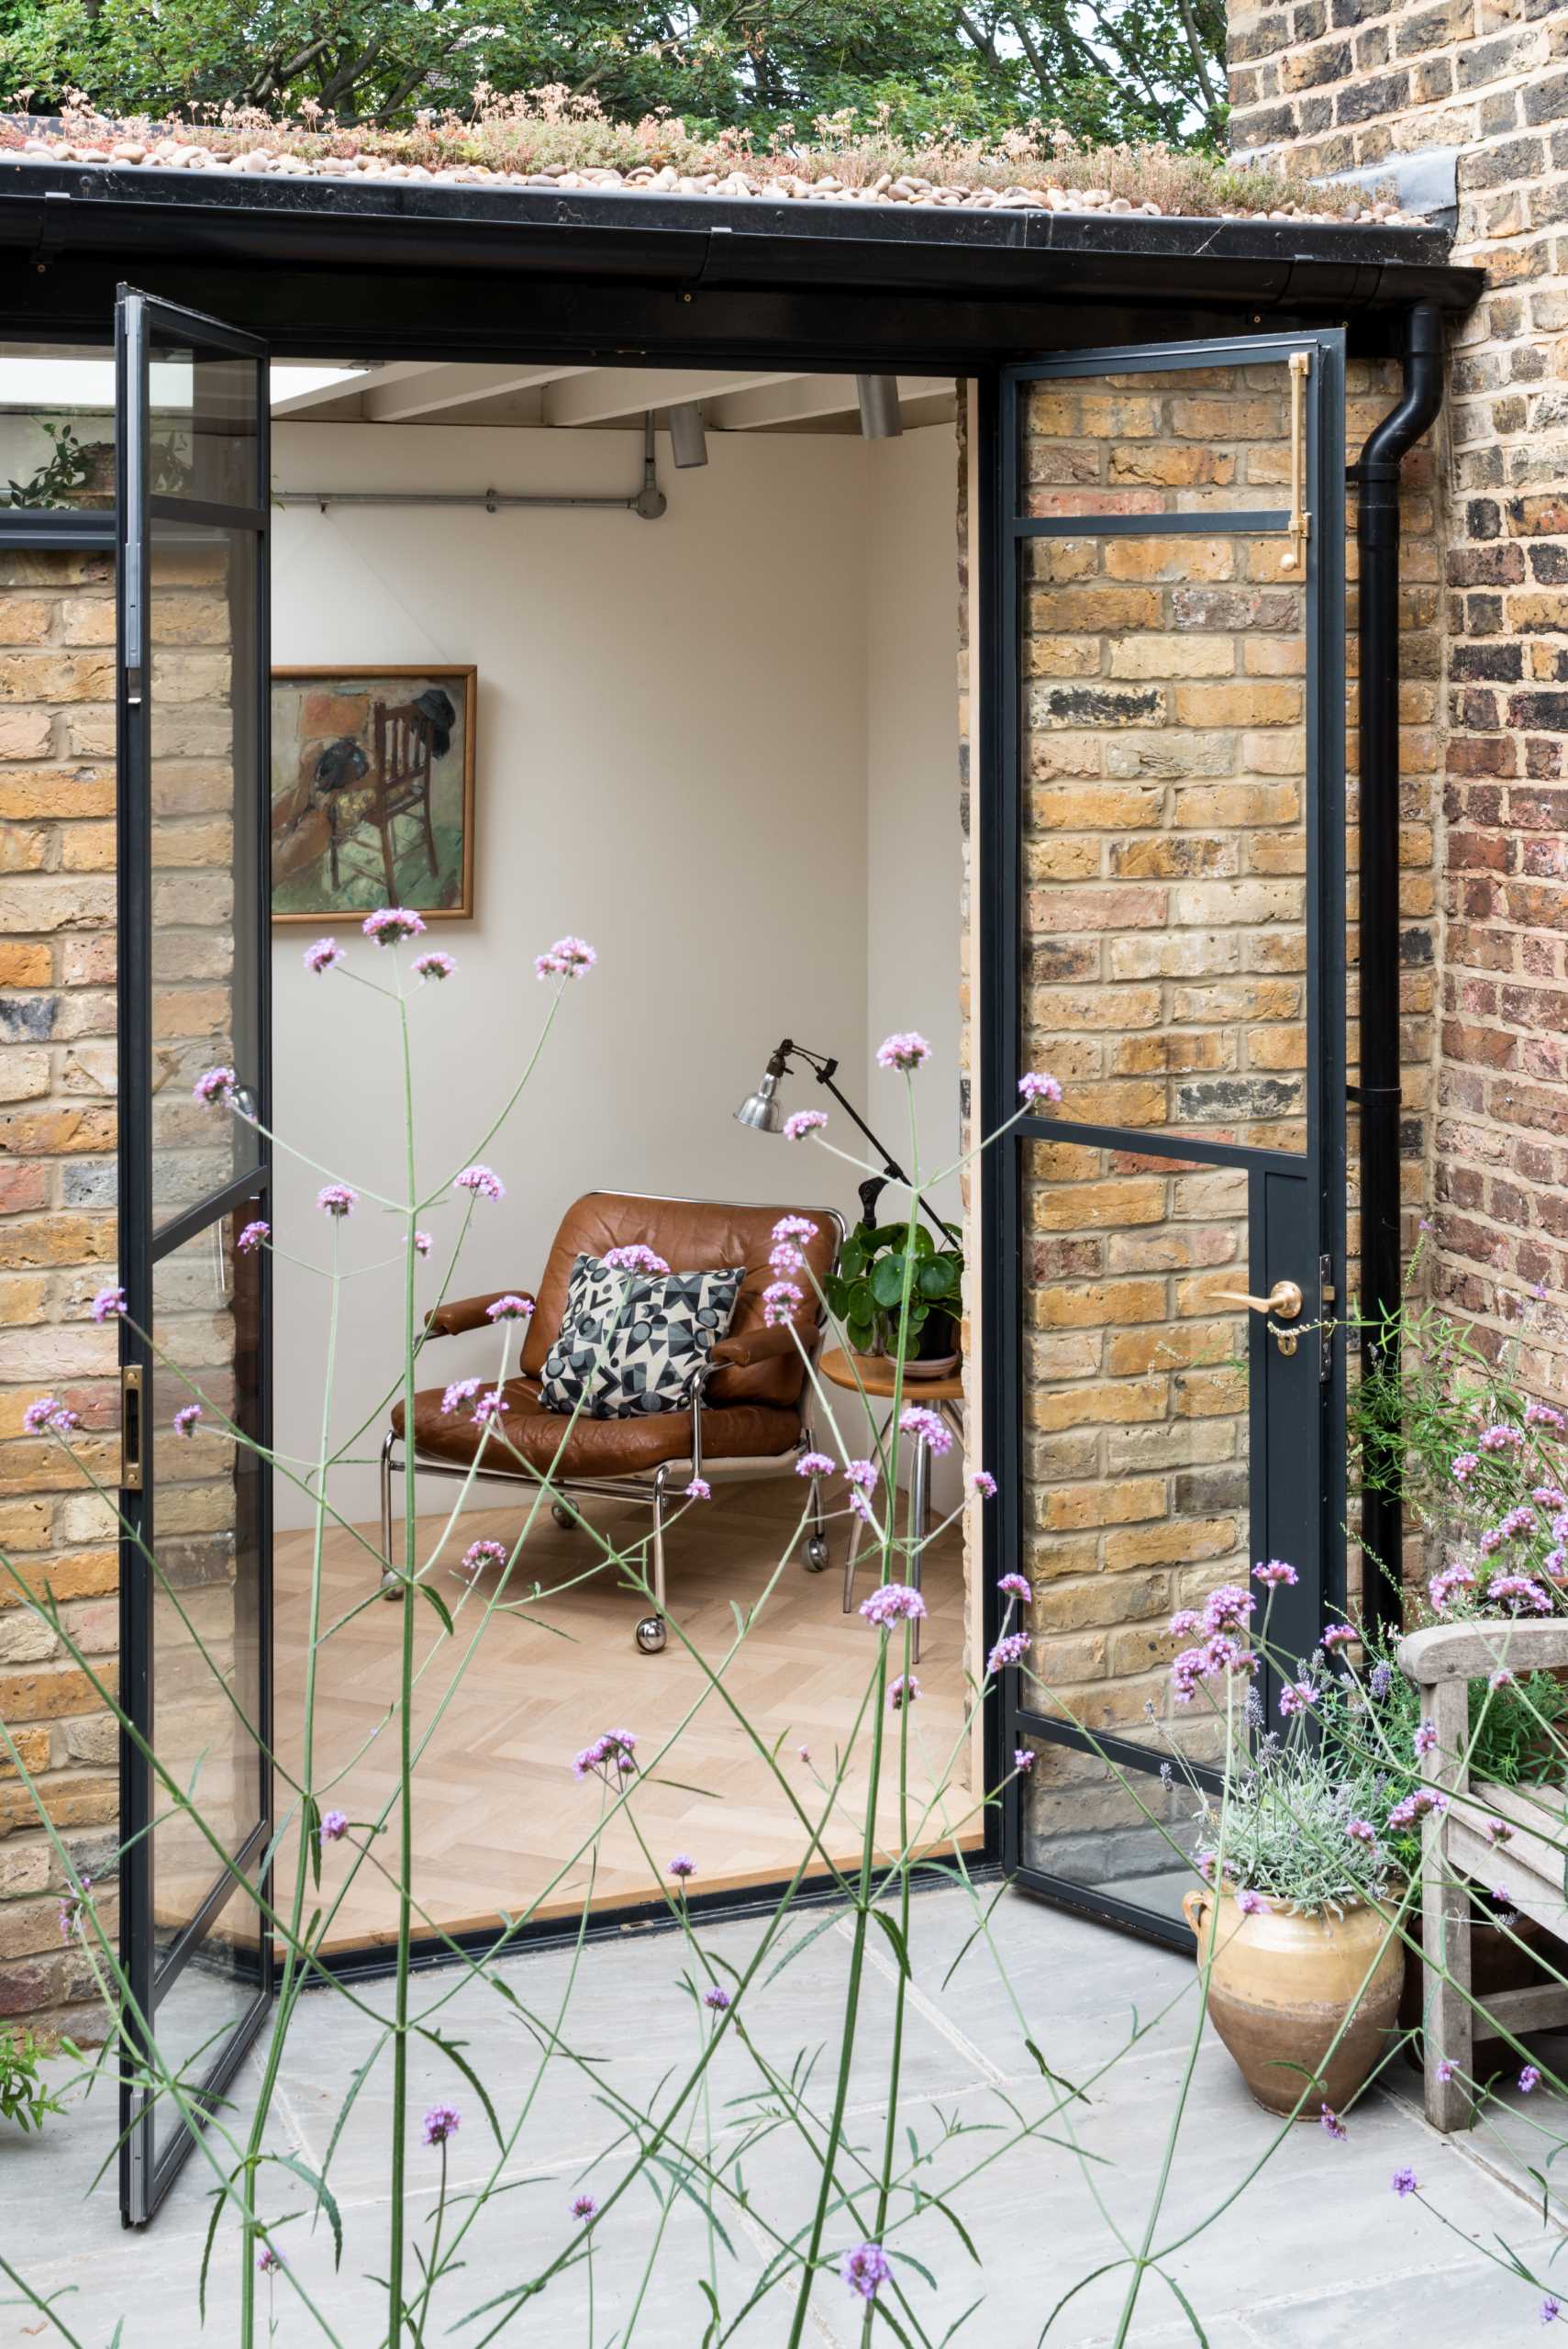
x: 1442, y: 1662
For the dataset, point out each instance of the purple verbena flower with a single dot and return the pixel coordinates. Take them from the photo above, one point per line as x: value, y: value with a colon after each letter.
x: 1336, y: 1635
x: 567, y: 959
x: 699, y: 1490
x: 1332, y: 2126
x: 1274, y: 1572
x: 1251, y: 1903
x: 905, y: 1051
x: 1518, y: 1594
x: 324, y: 955
x: 612, y: 1751
x: 927, y: 1427
x: 480, y: 1555
x: 785, y: 1258
x: 795, y: 1227
x: 481, y: 1181
x: 634, y: 1257
x: 718, y: 1998
x: 267, y: 2259
x: 1500, y: 1831
x: 1442, y: 1587
x: 815, y: 1464
x: 389, y: 923
x: 1542, y: 1415
x: 1446, y: 2069
x: 1035, y: 1086
x: 1425, y: 1739
x: 461, y: 1390
x: 1501, y: 1437
x: 336, y: 1198
x: 334, y: 1826
x: 801, y: 1122
x: 1023, y: 1760
x: 185, y: 1419
x: 509, y: 1308
x: 903, y: 1691
x: 1010, y: 1649
x: 489, y: 1407
x: 250, y: 1239
x: 423, y: 1243
x: 982, y: 1484
x: 213, y: 1087
x: 1529, y: 2079
x: 1404, y: 2181
x: 781, y: 1301
x: 1361, y: 1831
x: 49, y: 1413
x: 682, y: 1867
x: 862, y: 1473
x: 442, y: 2120
x: 584, y: 2207
x: 108, y: 1304
x: 1014, y: 1587
x: 434, y: 965
x: 1464, y: 1466
x: 893, y: 1602
x: 865, y: 2268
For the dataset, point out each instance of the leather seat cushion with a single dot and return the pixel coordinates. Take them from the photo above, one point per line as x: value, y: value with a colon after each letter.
x: 596, y: 1447
x: 691, y: 1235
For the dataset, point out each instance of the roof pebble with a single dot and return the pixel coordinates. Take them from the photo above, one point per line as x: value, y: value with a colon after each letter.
x: 171, y: 153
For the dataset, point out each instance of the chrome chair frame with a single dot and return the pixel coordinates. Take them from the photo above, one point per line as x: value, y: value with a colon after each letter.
x: 649, y: 1488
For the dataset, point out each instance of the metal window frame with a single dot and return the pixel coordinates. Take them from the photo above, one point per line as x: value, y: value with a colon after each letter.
x: 146, y: 2171
x: 1005, y: 530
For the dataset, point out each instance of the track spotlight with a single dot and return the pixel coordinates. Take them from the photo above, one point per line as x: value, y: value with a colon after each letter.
x: 688, y: 441
x: 881, y: 416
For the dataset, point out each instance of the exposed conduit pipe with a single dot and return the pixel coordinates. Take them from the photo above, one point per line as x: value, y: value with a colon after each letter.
x: 1377, y: 536
x: 647, y: 503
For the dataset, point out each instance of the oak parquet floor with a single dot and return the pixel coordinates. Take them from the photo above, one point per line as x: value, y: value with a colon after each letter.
x: 499, y: 1820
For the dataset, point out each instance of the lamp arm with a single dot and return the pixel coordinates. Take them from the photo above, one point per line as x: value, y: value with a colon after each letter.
x: 825, y: 1070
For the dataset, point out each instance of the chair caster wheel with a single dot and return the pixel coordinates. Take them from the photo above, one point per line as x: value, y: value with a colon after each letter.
x: 651, y: 1634
x: 816, y: 1553
x: 566, y: 1518
x: 391, y: 1588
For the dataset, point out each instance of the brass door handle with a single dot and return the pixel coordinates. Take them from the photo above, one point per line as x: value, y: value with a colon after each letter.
x: 1284, y: 1299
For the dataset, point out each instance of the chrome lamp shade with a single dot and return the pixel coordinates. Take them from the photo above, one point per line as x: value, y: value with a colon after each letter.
x: 761, y: 1109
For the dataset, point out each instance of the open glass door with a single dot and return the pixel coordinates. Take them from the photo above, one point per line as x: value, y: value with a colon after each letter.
x: 193, y: 929
x: 1168, y: 1242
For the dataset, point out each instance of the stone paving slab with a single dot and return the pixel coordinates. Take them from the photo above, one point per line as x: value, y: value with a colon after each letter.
x: 1318, y: 2249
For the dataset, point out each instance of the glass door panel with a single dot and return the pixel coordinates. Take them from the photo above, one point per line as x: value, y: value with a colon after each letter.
x: 196, y: 1563
x: 1172, y: 845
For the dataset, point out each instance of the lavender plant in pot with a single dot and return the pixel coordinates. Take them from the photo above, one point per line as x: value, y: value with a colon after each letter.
x: 1296, y: 1919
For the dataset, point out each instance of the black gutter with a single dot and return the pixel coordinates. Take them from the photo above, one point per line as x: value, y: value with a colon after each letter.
x: 1377, y: 536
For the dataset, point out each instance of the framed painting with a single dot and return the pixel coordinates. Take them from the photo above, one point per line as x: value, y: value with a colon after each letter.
x: 372, y: 792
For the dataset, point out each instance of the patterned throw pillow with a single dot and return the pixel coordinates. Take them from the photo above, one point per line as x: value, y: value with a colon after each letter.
x: 630, y: 1343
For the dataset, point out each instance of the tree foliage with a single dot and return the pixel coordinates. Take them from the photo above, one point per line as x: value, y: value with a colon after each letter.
x: 1105, y: 69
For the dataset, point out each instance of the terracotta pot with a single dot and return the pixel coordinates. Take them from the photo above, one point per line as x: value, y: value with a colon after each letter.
x: 1280, y: 1986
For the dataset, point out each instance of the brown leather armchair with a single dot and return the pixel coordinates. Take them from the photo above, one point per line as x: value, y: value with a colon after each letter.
x: 746, y: 1401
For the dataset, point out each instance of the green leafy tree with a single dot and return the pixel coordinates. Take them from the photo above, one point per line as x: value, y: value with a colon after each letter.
x: 1101, y: 68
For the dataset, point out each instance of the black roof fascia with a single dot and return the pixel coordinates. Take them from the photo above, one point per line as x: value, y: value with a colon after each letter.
x: 792, y: 268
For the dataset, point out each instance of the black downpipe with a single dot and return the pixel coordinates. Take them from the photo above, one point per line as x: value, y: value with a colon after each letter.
x: 1382, y: 1273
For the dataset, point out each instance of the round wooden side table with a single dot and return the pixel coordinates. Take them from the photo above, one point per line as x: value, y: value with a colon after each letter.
x: 874, y: 1376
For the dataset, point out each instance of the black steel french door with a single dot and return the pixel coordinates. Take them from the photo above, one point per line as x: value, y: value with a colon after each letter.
x: 194, y: 941
x: 1166, y: 1245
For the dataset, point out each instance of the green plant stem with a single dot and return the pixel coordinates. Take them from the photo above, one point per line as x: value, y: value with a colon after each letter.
x: 399, y: 2149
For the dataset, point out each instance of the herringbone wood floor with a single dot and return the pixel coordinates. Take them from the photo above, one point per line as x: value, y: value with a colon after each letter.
x: 500, y: 1823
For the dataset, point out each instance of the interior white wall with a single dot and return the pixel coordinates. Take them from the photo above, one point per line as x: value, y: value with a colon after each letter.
x: 685, y: 729
x: 913, y: 866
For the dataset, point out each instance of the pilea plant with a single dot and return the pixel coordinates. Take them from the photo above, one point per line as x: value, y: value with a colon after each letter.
x: 866, y: 1293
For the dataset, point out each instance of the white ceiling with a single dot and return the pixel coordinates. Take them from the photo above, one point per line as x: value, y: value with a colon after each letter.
x: 534, y: 396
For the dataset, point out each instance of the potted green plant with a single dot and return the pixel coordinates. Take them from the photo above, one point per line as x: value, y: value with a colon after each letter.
x: 866, y: 1295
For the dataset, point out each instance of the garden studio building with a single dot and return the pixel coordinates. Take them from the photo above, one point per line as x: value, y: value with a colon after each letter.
x: 849, y: 617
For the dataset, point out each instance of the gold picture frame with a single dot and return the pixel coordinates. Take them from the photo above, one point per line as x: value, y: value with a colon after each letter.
x: 373, y: 797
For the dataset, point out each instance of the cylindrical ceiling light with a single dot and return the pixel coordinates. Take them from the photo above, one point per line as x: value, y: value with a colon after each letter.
x: 881, y: 415
x: 688, y: 441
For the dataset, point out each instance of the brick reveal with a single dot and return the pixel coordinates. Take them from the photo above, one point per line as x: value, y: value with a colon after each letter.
x: 57, y: 1246
x: 1488, y: 78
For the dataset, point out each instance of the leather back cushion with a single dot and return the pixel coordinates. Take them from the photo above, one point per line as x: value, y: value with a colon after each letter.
x: 693, y: 1236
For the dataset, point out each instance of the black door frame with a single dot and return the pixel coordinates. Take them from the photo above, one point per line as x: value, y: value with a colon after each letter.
x: 146, y: 2174
x: 999, y: 1380
x: 1287, y: 1479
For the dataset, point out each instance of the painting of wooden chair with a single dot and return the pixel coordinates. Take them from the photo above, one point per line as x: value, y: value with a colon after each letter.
x: 1484, y: 1834
x: 403, y: 755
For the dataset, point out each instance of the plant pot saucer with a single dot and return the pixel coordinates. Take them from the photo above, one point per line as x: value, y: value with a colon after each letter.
x: 932, y: 1366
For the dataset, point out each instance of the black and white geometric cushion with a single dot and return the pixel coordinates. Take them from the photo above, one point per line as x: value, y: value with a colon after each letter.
x: 630, y: 1343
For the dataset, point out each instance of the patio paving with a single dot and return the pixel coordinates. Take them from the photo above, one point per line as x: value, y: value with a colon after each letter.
x: 1316, y: 2249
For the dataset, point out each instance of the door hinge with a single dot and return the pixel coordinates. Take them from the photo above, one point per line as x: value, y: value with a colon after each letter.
x: 130, y: 1427
x: 1327, y: 1296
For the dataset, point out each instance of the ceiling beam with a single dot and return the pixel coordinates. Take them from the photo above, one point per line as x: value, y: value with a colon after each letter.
x: 607, y: 395
x: 326, y: 395
x: 800, y: 398
x: 437, y: 391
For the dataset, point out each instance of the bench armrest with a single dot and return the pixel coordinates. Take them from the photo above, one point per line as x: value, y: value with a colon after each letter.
x: 1472, y: 1650
x: 462, y: 1313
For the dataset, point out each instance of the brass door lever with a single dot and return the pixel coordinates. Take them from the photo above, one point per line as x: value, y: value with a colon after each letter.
x: 1284, y: 1299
